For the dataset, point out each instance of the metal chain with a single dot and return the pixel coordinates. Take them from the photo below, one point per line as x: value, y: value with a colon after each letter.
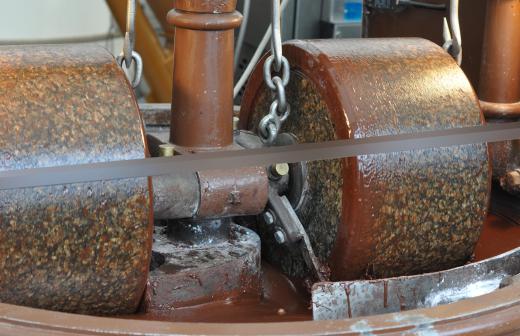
x: 129, y: 56
x: 278, y: 65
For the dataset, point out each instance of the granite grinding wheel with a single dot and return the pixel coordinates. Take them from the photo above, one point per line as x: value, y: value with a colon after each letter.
x: 82, y: 248
x: 389, y: 214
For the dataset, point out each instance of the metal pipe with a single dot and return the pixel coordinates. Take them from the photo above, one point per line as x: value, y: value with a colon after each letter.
x: 233, y: 192
x: 500, y: 81
x: 202, y: 108
x: 500, y: 110
x: 500, y: 73
x: 176, y: 196
x: 211, y: 194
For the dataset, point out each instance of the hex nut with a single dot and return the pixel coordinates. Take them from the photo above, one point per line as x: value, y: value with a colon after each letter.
x: 166, y: 150
x: 279, y: 170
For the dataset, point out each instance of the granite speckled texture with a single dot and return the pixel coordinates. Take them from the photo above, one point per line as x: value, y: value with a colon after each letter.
x: 81, y: 248
x: 401, y: 213
x: 321, y: 211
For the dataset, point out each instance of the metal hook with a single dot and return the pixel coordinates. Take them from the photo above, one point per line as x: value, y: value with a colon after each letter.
x: 129, y: 43
x: 452, y: 33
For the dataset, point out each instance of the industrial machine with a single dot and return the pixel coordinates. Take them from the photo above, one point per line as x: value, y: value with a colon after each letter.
x: 323, y: 201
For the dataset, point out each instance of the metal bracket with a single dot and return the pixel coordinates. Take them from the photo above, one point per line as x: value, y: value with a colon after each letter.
x: 287, y: 195
x: 290, y: 231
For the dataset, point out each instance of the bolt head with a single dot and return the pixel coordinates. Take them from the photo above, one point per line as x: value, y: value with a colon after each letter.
x: 166, y: 150
x: 279, y: 236
x: 279, y: 170
x: 268, y: 218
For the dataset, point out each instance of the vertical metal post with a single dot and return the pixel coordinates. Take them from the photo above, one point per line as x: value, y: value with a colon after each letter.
x: 202, y: 108
x: 500, y: 73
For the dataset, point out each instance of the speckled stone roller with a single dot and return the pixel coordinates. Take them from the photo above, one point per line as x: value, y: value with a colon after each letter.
x: 82, y: 248
x: 389, y: 214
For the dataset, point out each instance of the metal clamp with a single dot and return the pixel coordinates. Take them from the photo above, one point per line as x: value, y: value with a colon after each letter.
x: 288, y: 188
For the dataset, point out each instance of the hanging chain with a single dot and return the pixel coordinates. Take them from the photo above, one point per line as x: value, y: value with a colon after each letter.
x: 278, y: 65
x: 129, y: 55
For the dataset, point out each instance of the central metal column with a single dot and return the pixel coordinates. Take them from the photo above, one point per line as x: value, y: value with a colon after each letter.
x: 206, y: 257
x: 500, y: 74
x: 202, y: 108
x: 500, y: 85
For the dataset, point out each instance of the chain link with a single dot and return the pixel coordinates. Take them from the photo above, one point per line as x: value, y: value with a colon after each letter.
x: 285, y: 72
x: 128, y: 56
x: 277, y: 74
x: 138, y: 70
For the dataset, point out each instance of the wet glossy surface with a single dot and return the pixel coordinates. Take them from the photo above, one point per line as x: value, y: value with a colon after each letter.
x: 281, y: 301
x: 399, y: 213
x: 81, y: 248
x: 498, y: 236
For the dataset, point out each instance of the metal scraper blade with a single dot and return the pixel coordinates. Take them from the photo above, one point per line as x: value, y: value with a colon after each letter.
x: 349, y: 299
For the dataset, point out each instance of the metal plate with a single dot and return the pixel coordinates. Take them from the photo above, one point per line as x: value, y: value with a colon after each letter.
x: 341, y: 300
